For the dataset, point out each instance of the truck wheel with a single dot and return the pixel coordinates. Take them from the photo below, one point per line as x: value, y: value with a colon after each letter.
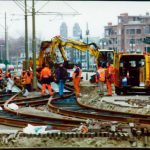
x: 117, y: 90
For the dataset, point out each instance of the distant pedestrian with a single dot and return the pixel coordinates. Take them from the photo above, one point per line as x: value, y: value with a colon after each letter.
x: 76, y: 76
x: 61, y: 77
x: 100, y: 79
x: 45, y: 79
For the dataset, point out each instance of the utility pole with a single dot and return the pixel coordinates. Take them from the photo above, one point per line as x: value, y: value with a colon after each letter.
x: 87, y: 33
x: 81, y: 51
x: 6, y: 41
x: 26, y: 36
x: 33, y: 45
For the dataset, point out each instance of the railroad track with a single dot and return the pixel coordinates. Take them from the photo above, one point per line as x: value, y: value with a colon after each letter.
x: 26, y: 118
x: 70, y: 106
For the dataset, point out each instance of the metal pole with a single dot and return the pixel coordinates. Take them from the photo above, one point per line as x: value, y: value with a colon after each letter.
x: 81, y: 51
x: 33, y: 46
x: 1, y: 52
x: 17, y: 59
x: 26, y: 37
x: 87, y: 33
x: 6, y: 42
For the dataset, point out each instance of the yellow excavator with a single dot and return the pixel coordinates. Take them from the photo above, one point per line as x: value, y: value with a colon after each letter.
x: 48, y: 51
x: 60, y: 43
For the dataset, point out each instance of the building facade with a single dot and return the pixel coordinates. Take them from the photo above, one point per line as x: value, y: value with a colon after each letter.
x: 129, y: 33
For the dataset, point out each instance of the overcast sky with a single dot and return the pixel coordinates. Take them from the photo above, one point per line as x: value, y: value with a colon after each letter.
x: 96, y: 13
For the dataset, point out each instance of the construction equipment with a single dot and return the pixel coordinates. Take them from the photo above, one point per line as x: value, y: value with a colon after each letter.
x: 60, y: 43
x: 132, y: 72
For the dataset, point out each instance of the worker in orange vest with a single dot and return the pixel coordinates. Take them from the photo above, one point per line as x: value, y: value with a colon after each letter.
x: 23, y: 78
x: 76, y: 76
x: 28, y: 80
x: 45, y: 79
x: 109, y: 78
x: 100, y: 79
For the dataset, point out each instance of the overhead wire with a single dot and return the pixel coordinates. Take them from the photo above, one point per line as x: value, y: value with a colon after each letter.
x: 71, y: 7
x: 15, y: 1
x: 42, y: 6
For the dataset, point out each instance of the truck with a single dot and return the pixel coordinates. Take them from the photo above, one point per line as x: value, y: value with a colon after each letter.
x: 132, y: 72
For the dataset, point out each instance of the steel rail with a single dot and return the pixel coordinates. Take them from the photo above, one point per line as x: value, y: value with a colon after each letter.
x: 43, y: 118
x: 122, y: 117
x: 134, y: 116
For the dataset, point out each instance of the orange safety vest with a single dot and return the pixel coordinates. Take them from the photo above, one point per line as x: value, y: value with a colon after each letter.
x: 110, y: 73
x: 23, y: 80
x: 74, y: 74
x: 45, y: 73
x: 28, y: 79
x: 101, y: 72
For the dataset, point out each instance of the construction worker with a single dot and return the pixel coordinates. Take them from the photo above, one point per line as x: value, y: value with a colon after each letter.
x: 76, y: 76
x: 10, y: 84
x: 28, y: 80
x: 61, y: 76
x: 23, y: 78
x: 109, y: 78
x: 7, y: 74
x: 100, y: 79
x: 45, y: 79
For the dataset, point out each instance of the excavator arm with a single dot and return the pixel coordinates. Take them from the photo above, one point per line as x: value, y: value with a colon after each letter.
x: 59, y: 43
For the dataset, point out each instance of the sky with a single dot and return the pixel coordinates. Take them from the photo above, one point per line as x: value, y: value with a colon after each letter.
x: 96, y: 13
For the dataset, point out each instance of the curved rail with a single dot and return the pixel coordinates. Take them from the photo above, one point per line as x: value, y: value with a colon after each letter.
x: 97, y: 114
x: 62, y: 122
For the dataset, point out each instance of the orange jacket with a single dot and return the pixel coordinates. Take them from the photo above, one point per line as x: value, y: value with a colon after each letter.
x: 75, y: 74
x: 28, y: 78
x: 23, y: 80
x: 45, y: 73
x: 110, y: 73
x: 101, y: 72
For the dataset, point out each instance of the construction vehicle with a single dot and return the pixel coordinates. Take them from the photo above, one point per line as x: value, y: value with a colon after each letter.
x: 59, y: 43
x: 132, y: 72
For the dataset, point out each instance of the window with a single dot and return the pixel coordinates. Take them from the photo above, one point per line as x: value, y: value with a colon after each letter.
x: 138, y: 31
x: 119, y: 20
x: 147, y: 29
x: 132, y: 41
x: 139, y: 41
x: 127, y: 31
x: 132, y: 31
